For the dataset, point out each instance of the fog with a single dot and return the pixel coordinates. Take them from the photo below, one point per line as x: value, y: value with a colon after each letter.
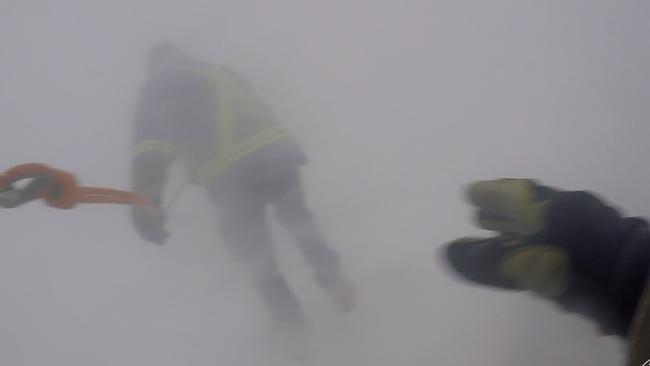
x: 398, y: 104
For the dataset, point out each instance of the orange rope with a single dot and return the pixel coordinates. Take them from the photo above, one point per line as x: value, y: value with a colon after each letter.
x: 109, y: 195
x: 63, y: 189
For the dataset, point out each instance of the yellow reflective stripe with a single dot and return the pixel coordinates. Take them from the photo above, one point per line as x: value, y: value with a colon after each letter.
x: 225, y: 129
x: 225, y: 113
x: 260, y: 139
x: 154, y: 145
x: 247, y: 147
x: 225, y: 118
x: 243, y: 149
x: 231, y: 91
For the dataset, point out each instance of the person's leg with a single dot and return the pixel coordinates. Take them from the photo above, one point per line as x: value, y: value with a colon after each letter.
x: 246, y: 234
x: 292, y: 212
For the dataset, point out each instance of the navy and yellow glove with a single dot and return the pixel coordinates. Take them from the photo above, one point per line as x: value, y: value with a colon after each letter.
x: 511, y: 263
x: 568, y: 246
x: 515, y: 210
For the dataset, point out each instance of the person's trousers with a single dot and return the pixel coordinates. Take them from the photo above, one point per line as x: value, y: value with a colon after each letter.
x: 243, y: 222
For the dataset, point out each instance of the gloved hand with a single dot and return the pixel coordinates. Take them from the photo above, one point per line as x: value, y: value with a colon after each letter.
x: 568, y: 246
x: 510, y: 206
x: 515, y: 209
x: 511, y: 262
x: 150, y: 222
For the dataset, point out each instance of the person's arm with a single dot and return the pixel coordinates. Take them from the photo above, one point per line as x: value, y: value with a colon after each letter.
x: 176, y: 111
x: 171, y: 109
x: 154, y: 147
x: 158, y: 116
